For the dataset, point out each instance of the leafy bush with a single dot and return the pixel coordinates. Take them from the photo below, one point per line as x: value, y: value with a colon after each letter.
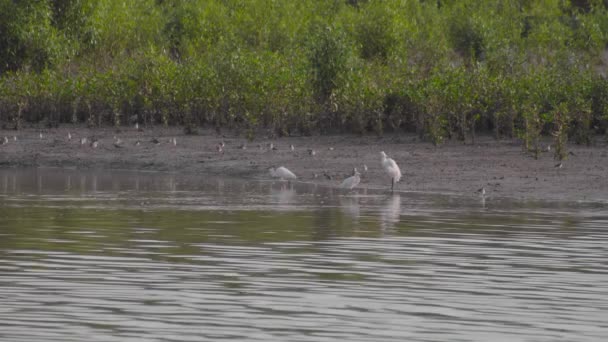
x: 442, y: 69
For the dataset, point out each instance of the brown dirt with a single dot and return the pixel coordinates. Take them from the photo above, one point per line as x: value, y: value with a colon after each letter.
x: 499, y: 166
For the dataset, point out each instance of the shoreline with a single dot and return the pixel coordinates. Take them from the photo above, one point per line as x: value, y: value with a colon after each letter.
x: 453, y: 168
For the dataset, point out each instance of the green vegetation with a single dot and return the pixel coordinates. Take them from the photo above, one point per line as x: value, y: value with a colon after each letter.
x: 443, y: 69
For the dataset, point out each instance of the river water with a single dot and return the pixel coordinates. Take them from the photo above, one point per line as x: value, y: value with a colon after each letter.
x: 126, y: 256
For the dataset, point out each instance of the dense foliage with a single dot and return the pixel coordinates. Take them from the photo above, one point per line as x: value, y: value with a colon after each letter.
x: 443, y: 69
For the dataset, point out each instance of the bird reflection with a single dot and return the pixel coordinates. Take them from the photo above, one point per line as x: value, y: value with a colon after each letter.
x: 284, y: 195
x: 391, y: 212
x: 349, y: 205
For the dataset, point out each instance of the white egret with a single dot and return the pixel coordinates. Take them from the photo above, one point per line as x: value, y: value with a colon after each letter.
x: 282, y: 172
x: 391, y: 168
x: 69, y: 136
x: 4, y: 141
x: 352, y: 181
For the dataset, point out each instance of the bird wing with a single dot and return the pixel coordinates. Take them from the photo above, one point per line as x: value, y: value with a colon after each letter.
x: 346, y: 183
x: 285, y: 173
x: 392, y: 169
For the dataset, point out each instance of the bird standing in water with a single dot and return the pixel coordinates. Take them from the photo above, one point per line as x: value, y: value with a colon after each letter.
x: 391, y: 168
x: 352, y: 181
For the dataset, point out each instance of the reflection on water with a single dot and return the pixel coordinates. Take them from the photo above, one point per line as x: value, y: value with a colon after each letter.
x: 160, y: 257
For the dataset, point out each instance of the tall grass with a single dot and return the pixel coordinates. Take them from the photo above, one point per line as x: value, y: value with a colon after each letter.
x: 442, y: 69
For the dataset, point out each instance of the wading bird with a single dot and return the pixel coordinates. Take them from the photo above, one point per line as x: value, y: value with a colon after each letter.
x: 352, y: 181
x: 391, y: 168
x: 282, y: 172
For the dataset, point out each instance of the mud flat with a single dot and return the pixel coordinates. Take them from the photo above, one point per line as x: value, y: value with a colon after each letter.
x: 455, y: 168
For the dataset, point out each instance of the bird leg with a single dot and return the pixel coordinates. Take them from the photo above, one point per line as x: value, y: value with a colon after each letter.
x: 392, y: 184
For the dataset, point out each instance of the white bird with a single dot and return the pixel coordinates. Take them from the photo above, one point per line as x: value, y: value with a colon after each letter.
x: 391, y: 168
x: 69, y: 136
x: 282, y: 172
x: 291, y: 147
x: 352, y: 181
x: 174, y: 141
x: 4, y: 141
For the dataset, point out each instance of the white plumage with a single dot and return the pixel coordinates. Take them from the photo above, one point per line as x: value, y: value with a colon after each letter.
x: 391, y: 168
x: 352, y: 181
x: 283, y: 173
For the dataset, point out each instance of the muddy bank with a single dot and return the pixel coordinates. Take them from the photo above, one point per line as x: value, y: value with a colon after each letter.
x: 499, y: 166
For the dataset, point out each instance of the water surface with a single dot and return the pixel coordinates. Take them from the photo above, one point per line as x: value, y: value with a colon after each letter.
x: 125, y: 256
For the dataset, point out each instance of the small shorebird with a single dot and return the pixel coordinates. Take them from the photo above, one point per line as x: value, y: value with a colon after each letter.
x: 219, y: 148
x: 83, y: 141
x: 291, y: 147
x: 559, y: 165
x: 69, y: 136
x: 352, y: 181
x: 282, y: 173
x: 391, y: 168
x: 330, y: 148
x: 137, y: 143
x: 481, y: 191
x: 4, y: 141
x: 94, y: 143
x: 364, y: 168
